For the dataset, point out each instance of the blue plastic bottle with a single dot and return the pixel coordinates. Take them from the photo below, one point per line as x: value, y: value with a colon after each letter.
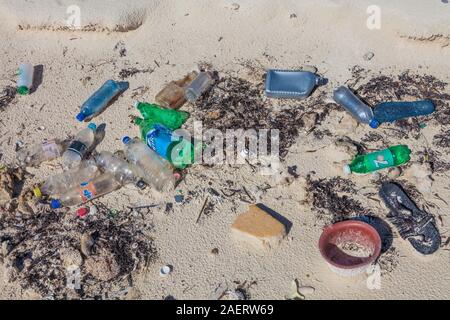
x: 100, y: 99
x: 392, y: 111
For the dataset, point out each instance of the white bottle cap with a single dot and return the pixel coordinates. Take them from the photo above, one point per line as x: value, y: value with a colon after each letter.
x: 347, y: 169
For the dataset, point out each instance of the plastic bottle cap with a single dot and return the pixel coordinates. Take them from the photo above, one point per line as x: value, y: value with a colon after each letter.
x: 37, y: 192
x: 55, y: 204
x: 126, y: 139
x: 347, y: 169
x: 374, y: 123
x: 92, y: 126
x: 82, y: 212
x: 165, y: 271
x: 23, y: 90
x: 80, y: 117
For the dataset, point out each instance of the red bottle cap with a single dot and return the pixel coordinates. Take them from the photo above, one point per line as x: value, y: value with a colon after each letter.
x: 82, y: 212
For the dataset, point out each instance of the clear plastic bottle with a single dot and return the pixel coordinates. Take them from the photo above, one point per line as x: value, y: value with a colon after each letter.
x: 358, y: 109
x: 79, y: 146
x: 123, y: 171
x: 36, y: 154
x: 87, y: 191
x: 61, y: 183
x: 25, y: 81
x: 156, y: 171
x: 100, y: 99
x: 199, y: 86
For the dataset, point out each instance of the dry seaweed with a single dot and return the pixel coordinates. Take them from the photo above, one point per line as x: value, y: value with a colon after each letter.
x: 330, y: 199
x: 38, y: 261
x: 7, y: 96
x: 130, y: 72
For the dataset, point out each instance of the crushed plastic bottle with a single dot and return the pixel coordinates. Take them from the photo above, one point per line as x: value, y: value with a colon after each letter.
x: 393, y: 156
x: 152, y: 113
x: 156, y: 171
x: 79, y: 146
x: 87, y: 191
x: 123, y: 171
x: 25, y: 80
x: 179, y: 151
x: 292, y: 84
x: 357, y: 108
x: 199, y: 86
x: 392, y: 111
x: 39, y: 153
x: 100, y: 99
x: 172, y: 95
x: 59, y: 184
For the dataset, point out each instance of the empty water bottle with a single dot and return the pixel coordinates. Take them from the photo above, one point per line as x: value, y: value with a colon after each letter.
x: 156, y: 171
x: 358, y: 109
x: 36, y: 154
x: 100, y: 99
x: 87, y: 191
x: 59, y: 184
x: 172, y: 95
x: 79, y: 146
x: 123, y: 171
x: 393, y: 156
x: 199, y: 86
x: 152, y: 113
x: 25, y: 81
x: 392, y: 111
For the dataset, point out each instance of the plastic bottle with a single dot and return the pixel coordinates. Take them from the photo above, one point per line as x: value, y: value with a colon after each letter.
x: 100, y: 99
x: 393, y: 156
x: 172, y: 95
x: 123, y: 171
x: 156, y: 170
x: 199, y: 86
x: 38, y: 153
x: 61, y: 183
x: 87, y: 191
x: 25, y: 81
x: 179, y: 151
x: 291, y: 84
x: 152, y: 113
x: 79, y: 146
x: 392, y: 111
x: 358, y: 109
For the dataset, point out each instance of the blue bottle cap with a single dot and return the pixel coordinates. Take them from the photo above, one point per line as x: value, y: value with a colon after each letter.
x: 55, y: 204
x: 126, y: 139
x: 80, y: 117
x: 374, y: 123
x: 92, y: 126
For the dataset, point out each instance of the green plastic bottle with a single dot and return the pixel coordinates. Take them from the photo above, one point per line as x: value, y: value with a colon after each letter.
x: 391, y: 157
x: 152, y: 113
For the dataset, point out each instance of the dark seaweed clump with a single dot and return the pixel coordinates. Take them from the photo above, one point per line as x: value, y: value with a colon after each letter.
x: 235, y: 103
x: 7, y: 96
x: 35, y: 243
x: 330, y: 199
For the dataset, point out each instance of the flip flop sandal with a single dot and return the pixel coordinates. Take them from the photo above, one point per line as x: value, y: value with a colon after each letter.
x: 414, y: 225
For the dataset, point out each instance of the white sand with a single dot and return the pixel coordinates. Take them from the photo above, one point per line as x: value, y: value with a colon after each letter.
x: 332, y: 35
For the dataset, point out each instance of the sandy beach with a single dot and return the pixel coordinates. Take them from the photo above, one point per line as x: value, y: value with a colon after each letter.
x: 150, y: 43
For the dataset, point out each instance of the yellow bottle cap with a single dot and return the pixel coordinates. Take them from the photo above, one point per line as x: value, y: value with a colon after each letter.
x: 37, y: 192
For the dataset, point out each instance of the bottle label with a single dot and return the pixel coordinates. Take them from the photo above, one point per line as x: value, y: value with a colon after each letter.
x: 381, y: 159
x: 78, y: 147
x: 51, y: 149
x: 87, y: 191
x: 159, y: 139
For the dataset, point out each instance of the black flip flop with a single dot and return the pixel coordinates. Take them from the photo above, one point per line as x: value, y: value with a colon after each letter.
x: 414, y: 225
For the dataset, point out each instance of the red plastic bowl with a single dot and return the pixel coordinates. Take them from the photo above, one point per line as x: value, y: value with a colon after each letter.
x: 363, y: 235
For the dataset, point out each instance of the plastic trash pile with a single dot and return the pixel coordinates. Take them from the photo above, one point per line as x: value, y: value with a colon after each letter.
x: 152, y: 159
